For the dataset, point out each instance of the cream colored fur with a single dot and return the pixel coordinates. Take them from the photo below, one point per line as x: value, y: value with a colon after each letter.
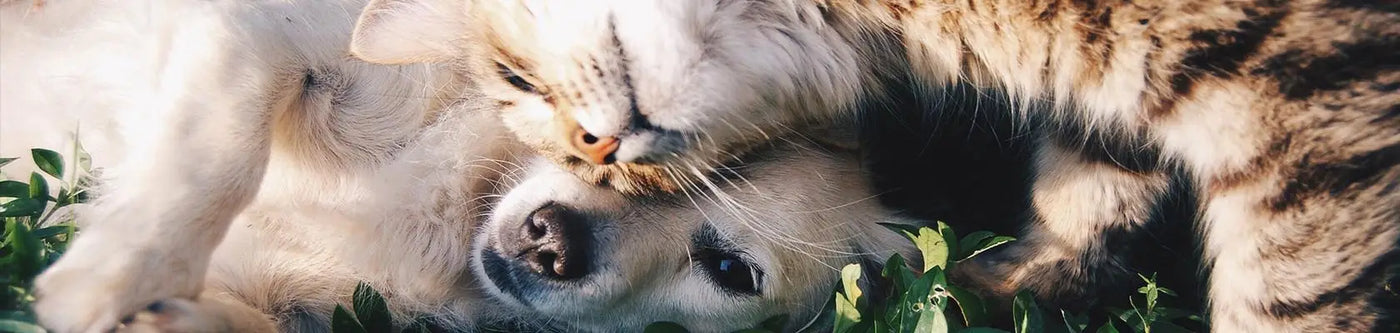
x: 257, y: 173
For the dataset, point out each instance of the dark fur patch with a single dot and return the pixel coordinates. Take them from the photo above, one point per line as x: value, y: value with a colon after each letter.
x: 1360, y: 289
x: 1221, y: 52
x: 1300, y: 75
x: 1132, y: 152
x: 1387, y: 6
x: 1334, y: 177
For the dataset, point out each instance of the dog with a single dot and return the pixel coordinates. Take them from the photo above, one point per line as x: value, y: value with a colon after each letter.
x: 252, y: 173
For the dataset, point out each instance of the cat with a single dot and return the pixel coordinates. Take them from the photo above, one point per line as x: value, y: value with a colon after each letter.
x: 1281, y: 114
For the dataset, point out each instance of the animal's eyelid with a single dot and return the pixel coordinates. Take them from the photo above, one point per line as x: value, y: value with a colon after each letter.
x: 523, y: 82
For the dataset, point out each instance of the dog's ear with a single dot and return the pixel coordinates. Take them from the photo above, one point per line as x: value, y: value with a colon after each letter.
x: 409, y: 31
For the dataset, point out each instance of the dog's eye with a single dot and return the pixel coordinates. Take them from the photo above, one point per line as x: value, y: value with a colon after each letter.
x: 730, y: 271
x: 515, y: 79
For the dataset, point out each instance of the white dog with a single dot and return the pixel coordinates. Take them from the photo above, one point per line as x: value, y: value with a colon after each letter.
x: 338, y: 171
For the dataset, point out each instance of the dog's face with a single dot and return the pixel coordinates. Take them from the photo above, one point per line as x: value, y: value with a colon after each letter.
x: 633, y: 94
x: 767, y: 241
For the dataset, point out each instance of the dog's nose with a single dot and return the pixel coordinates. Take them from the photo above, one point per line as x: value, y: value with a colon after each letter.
x: 598, y: 150
x: 553, y: 241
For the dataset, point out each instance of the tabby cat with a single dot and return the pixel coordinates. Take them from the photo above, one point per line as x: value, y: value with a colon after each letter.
x: 1284, y: 115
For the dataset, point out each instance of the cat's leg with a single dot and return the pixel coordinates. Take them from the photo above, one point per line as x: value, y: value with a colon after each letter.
x: 1084, y: 211
x: 195, y: 165
x: 1307, y: 247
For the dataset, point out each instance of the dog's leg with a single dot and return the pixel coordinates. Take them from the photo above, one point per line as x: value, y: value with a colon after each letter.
x: 193, y: 168
x: 1081, y: 206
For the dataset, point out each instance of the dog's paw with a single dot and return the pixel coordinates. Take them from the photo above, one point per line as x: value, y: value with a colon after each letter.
x: 173, y: 315
x: 96, y: 284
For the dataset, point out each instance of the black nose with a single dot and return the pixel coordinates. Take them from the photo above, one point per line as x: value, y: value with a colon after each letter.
x: 553, y: 242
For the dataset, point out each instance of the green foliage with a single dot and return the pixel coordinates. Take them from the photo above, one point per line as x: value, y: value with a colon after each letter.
x: 32, y: 238
x: 370, y: 314
x: 922, y: 300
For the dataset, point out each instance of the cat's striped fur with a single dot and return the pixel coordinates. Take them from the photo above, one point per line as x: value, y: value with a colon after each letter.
x: 1284, y: 114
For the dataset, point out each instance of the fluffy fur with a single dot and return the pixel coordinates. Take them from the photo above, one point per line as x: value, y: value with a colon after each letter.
x: 1282, y: 113
x: 258, y: 173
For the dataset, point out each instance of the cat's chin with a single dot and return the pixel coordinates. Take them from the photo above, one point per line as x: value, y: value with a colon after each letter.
x: 672, y: 175
x: 628, y: 178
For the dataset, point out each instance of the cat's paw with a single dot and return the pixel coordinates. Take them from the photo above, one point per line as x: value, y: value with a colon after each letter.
x: 986, y: 276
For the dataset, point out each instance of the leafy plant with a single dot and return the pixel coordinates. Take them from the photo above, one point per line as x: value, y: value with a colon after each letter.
x: 32, y: 239
x: 370, y: 314
x: 923, y: 300
x: 1149, y: 313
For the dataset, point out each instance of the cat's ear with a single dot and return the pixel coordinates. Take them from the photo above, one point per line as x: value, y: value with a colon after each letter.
x: 409, y: 31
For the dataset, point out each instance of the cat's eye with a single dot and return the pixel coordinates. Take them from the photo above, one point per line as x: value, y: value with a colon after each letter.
x: 730, y: 271
x: 515, y: 79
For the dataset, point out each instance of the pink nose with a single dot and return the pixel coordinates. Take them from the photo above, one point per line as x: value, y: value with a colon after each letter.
x: 597, y: 150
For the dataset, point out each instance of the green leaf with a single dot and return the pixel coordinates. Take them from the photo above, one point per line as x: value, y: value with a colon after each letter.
x: 925, y: 296
x: 970, y: 242
x: 15, y: 326
x: 850, y: 282
x: 25, y: 251
x: 900, y: 277
x: 22, y: 207
x: 950, y: 241
x: 13, y: 189
x: 344, y: 322
x: 84, y: 160
x: 775, y: 323
x: 847, y: 315
x: 1025, y: 315
x: 6, y: 160
x: 51, y: 231
x: 49, y: 161
x: 1173, y: 313
x: 988, y: 244
x: 1107, y: 328
x: 848, y: 301
x: 933, y: 248
x: 974, y: 311
x: 1126, y: 315
x: 665, y: 327
x: 933, y: 321
x: 371, y: 310
x: 38, y: 187
x: 17, y: 315
x: 1075, y: 323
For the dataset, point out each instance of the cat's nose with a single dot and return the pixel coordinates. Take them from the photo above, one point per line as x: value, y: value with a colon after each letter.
x: 595, y: 149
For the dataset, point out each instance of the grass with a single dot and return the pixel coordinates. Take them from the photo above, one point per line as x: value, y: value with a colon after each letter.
x: 36, y: 233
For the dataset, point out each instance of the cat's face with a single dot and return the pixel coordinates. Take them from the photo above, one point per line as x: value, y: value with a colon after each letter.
x: 638, y: 95
x: 569, y: 255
